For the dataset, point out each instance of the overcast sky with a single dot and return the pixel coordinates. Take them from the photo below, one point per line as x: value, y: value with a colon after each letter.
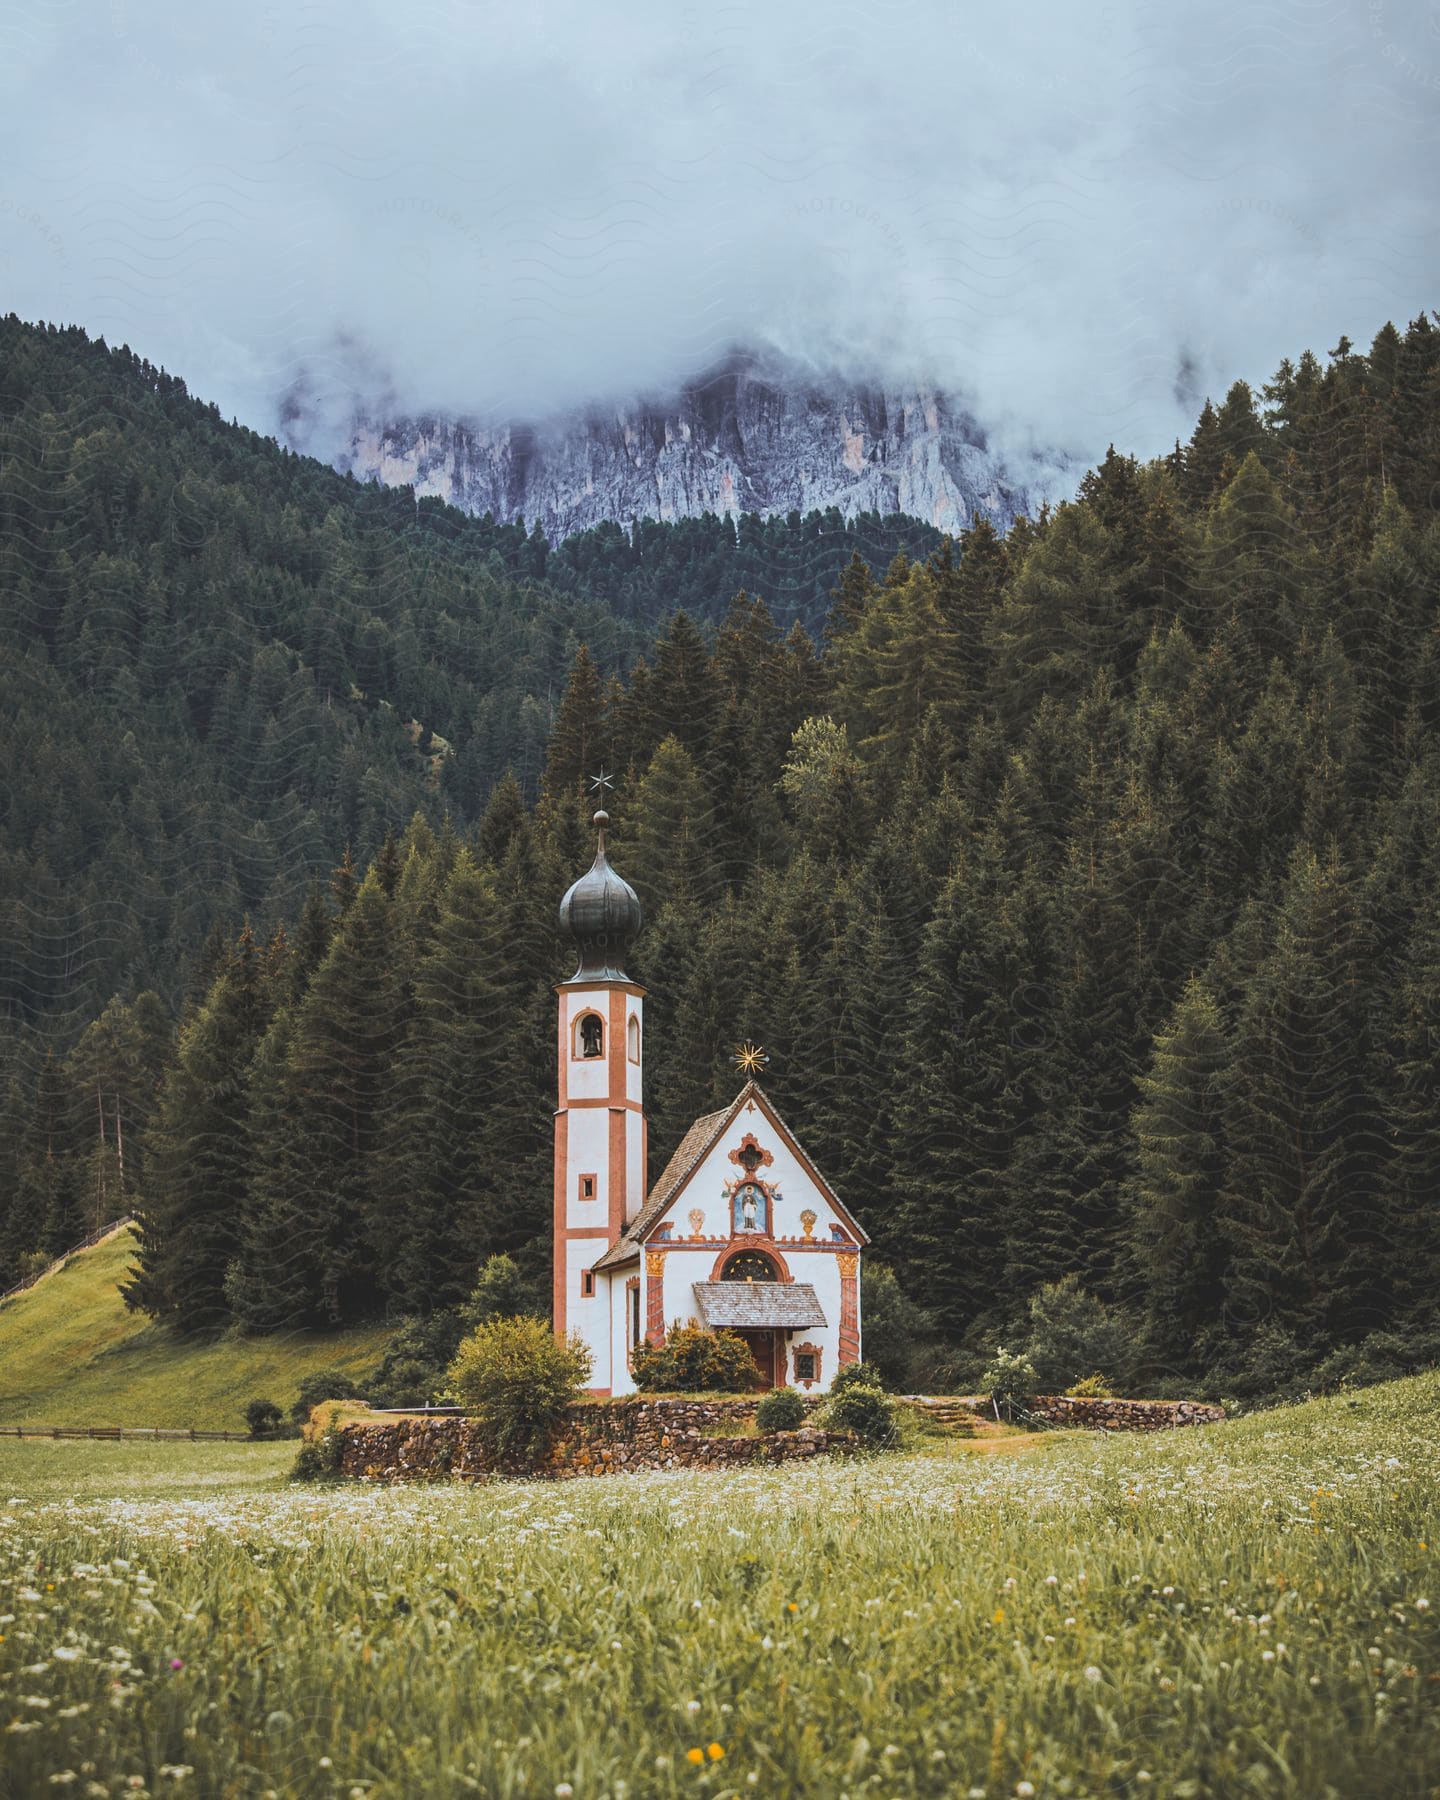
x: 1082, y: 216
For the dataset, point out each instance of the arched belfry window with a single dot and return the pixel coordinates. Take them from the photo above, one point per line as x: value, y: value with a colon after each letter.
x: 750, y: 1265
x: 632, y: 1032
x: 589, y: 1035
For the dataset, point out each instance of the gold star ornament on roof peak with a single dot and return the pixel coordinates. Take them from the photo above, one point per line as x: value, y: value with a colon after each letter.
x: 750, y: 1058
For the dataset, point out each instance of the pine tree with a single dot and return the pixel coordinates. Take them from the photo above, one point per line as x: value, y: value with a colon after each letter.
x: 1174, y: 1242
x: 197, y: 1152
x: 1303, y: 1200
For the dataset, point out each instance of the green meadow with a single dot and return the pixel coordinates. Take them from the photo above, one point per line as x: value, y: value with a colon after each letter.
x: 1241, y: 1610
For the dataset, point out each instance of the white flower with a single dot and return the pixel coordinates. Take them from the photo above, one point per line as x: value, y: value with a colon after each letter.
x: 1024, y: 1789
x: 1422, y: 1606
x: 1052, y: 1581
x: 1267, y: 1656
x: 563, y: 1790
x: 66, y: 1653
x: 692, y: 1706
x: 1092, y: 1674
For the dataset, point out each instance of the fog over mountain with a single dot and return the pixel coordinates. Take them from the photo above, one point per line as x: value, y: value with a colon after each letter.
x: 757, y: 433
x: 1073, y: 222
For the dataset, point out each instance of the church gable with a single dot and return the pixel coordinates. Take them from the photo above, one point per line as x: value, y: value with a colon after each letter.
x: 752, y: 1178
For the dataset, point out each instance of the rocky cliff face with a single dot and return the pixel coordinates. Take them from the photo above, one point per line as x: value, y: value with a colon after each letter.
x: 754, y: 435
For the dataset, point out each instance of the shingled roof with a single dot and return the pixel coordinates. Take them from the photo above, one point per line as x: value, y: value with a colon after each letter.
x: 696, y: 1143
x: 754, y: 1305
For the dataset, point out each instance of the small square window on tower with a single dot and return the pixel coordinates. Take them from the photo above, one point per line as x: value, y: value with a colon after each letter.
x: 587, y: 1187
x: 587, y: 1284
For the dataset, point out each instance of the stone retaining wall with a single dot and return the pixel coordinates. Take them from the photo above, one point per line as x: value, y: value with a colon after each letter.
x: 595, y: 1439
x: 1125, y: 1415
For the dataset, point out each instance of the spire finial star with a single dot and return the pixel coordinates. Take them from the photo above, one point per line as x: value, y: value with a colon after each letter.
x: 600, y: 785
x: 750, y: 1058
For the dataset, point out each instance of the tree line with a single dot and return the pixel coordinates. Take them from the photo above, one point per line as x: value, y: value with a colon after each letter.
x: 1081, y: 885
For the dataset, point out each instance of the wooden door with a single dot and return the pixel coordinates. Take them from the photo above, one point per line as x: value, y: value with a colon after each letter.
x: 762, y: 1348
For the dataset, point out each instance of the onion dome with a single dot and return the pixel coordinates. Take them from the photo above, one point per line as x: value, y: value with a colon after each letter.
x: 602, y: 913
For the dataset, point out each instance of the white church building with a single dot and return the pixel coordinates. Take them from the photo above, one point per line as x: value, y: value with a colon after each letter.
x: 740, y: 1232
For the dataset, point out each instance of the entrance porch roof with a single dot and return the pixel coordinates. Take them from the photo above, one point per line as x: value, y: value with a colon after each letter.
x: 758, y: 1305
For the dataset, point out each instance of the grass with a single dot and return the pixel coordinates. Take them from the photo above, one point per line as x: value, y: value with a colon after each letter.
x: 1240, y: 1610
x: 71, y: 1353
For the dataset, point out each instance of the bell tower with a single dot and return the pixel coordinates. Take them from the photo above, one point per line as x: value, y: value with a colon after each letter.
x: 600, y: 1148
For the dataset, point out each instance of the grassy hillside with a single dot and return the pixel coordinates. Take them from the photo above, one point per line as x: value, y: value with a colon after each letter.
x: 71, y: 1354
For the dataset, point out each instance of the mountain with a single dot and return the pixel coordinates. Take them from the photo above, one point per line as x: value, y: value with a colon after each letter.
x: 756, y: 434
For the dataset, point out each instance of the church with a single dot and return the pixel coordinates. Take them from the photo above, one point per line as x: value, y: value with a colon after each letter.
x: 741, y: 1231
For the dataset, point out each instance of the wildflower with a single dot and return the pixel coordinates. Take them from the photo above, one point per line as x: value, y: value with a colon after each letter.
x: 563, y: 1790
x: 1092, y: 1674
x: 714, y: 1751
x: 62, y: 1778
x: 325, y: 1762
x: 176, y: 1662
x: 1052, y: 1581
x: 692, y: 1706
x: 1024, y: 1789
x: 998, y: 1616
x: 1267, y: 1656
x: 696, y: 1756
x: 1422, y: 1605
x: 65, y: 1653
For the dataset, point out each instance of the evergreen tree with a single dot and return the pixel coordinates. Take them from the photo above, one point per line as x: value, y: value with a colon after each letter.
x: 1175, y: 1246
x: 198, y: 1152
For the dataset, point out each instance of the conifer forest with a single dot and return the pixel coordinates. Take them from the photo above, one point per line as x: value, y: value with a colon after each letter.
x: 1080, y: 883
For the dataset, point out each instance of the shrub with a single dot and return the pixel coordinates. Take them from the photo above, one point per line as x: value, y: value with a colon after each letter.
x: 263, y: 1418
x: 867, y: 1411
x: 695, y: 1361
x: 1009, y: 1381
x: 782, y: 1409
x: 1071, y: 1332
x: 517, y: 1378
x: 858, y: 1374
x: 319, y: 1459
x: 325, y: 1384
x: 1090, y: 1387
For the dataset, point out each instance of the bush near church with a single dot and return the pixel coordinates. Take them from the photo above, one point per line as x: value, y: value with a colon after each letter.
x: 692, y: 1360
x: 517, y: 1378
x: 263, y: 1419
x: 1010, y: 1381
x: 782, y: 1409
x: 859, y: 1403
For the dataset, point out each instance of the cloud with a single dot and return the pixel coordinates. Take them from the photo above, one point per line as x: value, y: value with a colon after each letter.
x: 1082, y: 218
